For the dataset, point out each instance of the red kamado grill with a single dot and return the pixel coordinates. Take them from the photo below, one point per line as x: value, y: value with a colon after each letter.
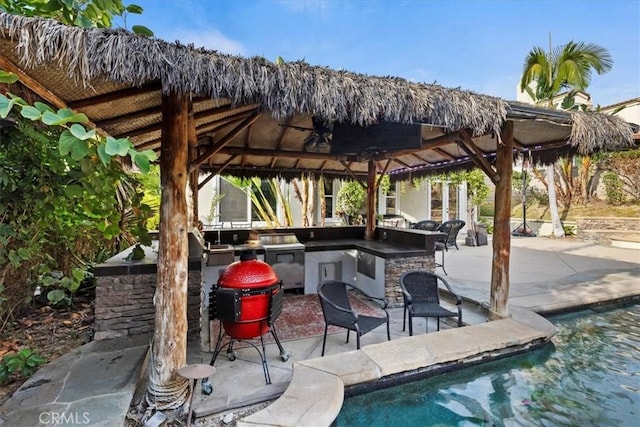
x: 247, y: 300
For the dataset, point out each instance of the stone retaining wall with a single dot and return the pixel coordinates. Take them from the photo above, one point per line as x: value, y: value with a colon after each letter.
x: 124, y: 304
x: 395, y: 267
x: 605, y: 229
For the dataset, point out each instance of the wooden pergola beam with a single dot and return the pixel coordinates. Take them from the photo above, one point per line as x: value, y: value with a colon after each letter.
x: 116, y: 95
x: 351, y: 174
x: 41, y: 90
x: 477, y: 156
x: 32, y: 84
x: 427, y: 144
x: 265, y: 152
x: 215, y: 172
x: 225, y: 140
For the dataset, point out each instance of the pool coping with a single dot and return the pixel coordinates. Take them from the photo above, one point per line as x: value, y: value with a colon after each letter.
x: 316, y: 392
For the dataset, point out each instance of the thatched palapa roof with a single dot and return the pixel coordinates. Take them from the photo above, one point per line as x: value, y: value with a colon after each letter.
x: 253, y: 116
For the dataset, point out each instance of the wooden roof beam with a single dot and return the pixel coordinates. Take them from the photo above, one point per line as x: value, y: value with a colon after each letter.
x: 126, y: 117
x: 265, y: 152
x: 116, y: 95
x: 427, y: 144
x: 41, y: 90
x: 283, y: 132
x: 444, y: 154
x: 477, y: 156
x: 225, y: 140
x: 351, y: 174
x: 202, y: 129
x: 384, y: 170
x: 151, y: 111
x: 33, y: 84
x: 216, y: 171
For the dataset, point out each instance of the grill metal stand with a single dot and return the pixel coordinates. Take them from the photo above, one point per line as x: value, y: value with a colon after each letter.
x: 227, y: 307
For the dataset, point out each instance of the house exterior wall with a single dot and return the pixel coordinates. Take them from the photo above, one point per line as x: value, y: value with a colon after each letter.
x: 630, y: 112
x: 413, y: 202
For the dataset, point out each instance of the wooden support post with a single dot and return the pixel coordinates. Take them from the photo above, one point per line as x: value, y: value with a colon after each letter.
x: 170, y: 299
x: 372, y: 189
x: 502, y: 226
x: 193, y: 175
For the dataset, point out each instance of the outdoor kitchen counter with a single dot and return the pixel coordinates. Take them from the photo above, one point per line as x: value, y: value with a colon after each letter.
x: 378, y: 248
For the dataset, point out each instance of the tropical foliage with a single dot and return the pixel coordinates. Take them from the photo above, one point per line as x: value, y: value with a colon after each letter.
x: 350, y: 201
x: 85, y: 13
x: 563, y: 70
x: 65, y: 198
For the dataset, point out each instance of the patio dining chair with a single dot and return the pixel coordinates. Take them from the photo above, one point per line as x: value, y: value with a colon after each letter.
x: 451, y: 228
x: 421, y: 296
x: 338, y: 311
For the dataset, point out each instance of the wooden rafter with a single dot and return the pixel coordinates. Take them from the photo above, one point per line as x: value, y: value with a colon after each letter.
x: 40, y: 90
x: 283, y: 133
x: 32, y: 84
x: 351, y: 174
x: 477, y: 156
x: 127, y: 117
x: 216, y: 171
x: 223, y: 166
x: 427, y: 144
x: 225, y: 140
x: 444, y: 154
x: 264, y: 152
x: 116, y: 95
x: 384, y: 170
x: 406, y: 165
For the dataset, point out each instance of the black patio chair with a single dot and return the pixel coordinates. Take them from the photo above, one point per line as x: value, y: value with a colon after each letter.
x: 422, y: 298
x: 451, y: 228
x: 337, y: 310
x: 426, y: 224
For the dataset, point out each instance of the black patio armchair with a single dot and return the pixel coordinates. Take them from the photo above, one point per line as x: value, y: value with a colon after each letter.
x: 451, y: 228
x: 426, y: 224
x: 337, y: 310
x: 422, y: 298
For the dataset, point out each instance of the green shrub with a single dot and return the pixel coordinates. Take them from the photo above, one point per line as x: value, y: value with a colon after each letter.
x: 351, y: 198
x: 613, y: 188
x: 23, y: 364
x: 569, y: 230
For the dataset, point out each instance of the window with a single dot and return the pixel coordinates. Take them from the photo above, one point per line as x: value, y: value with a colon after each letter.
x: 329, y: 198
x: 233, y: 204
x: 390, y: 201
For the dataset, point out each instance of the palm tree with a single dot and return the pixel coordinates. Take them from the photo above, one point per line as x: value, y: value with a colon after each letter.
x: 566, y: 68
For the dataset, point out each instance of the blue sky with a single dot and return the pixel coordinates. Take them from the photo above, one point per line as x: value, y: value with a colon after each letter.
x: 475, y: 45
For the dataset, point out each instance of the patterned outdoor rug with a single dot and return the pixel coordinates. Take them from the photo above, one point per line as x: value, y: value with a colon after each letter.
x: 301, y: 317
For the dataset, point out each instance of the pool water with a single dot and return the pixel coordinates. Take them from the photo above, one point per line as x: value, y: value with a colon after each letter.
x: 588, y: 376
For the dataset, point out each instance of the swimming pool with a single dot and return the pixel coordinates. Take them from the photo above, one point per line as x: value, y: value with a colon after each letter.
x: 588, y: 376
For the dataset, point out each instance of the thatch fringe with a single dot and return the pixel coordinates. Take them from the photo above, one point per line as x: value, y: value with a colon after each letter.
x: 592, y: 132
x: 282, y: 89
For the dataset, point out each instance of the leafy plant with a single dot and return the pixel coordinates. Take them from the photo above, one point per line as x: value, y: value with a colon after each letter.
x: 569, y: 230
x: 613, y: 188
x: 62, y: 287
x: 86, y: 13
x: 350, y: 200
x: 23, y: 363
